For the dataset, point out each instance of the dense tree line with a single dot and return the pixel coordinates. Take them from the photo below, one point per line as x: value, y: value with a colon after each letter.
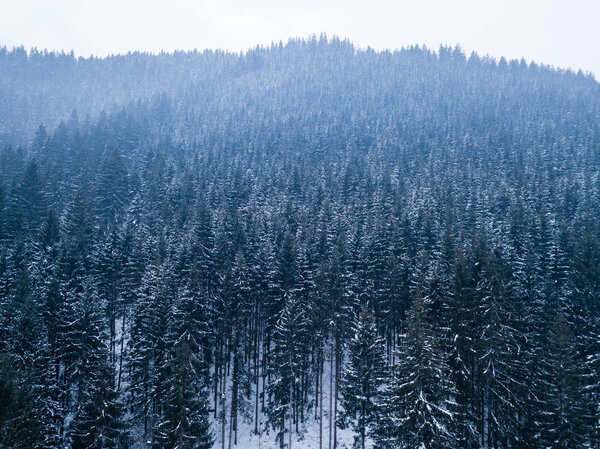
x: 401, y: 245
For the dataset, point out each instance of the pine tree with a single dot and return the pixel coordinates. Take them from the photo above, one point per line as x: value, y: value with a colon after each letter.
x: 49, y: 233
x: 500, y: 354
x: 148, y: 347
x: 32, y: 196
x: 82, y: 331
x: 461, y: 318
x: 22, y: 421
x: 113, y: 185
x: 184, y: 423
x: 109, y: 269
x: 77, y: 242
x: 417, y: 409
x: 363, y: 376
x: 28, y: 379
x: 98, y: 422
x: 286, y: 367
x: 240, y: 311
x: 564, y: 410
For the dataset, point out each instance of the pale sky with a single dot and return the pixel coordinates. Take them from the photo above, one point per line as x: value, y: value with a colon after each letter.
x: 564, y: 33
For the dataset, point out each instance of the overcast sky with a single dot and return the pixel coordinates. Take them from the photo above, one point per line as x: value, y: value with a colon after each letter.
x: 562, y: 33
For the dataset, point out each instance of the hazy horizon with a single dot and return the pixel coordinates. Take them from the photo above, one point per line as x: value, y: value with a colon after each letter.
x: 547, y: 32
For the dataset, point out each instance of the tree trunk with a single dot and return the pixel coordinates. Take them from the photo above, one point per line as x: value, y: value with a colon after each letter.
x: 113, y: 351
x: 337, y: 382
x: 331, y: 397
x: 291, y: 420
x: 317, y: 379
x: 282, y: 431
x: 230, y: 424
x: 234, y: 392
x: 216, y: 398
x: 320, y: 376
x: 256, y: 373
x: 223, y: 402
x: 122, y: 350
x: 362, y: 437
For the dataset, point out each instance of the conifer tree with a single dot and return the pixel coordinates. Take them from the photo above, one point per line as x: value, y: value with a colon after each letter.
x: 363, y: 376
x: 113, y: 185
x: 32, y: 196
x: 286, y: 368
x: 148, y: 348
x: 184, y: 423
x: 23, y: 424
x: 565, y: 413
x: 500, y: 355
x: 98, y: 422
x: 461, y: 319
x: 417, y: 409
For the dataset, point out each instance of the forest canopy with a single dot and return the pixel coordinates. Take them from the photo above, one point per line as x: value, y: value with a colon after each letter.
x: 306, y: 244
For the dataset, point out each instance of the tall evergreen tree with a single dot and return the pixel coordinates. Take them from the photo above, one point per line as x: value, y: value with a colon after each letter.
x: 417, y: 409
x: 184, y: 423
x: 99, y: 422
x: 363, y: 376
x: 286, y: 369
x: 565, y: 414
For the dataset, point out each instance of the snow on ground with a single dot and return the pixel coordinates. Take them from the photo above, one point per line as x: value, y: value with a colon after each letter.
x: 307, y: 438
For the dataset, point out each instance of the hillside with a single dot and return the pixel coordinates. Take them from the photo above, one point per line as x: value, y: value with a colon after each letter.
x: 207, y: 249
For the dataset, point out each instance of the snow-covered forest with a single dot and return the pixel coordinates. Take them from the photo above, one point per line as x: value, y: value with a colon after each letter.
x: 305, y: 246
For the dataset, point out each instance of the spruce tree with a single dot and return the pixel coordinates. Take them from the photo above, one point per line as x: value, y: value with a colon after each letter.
x: 184, y: 423
x: 364, y: 373
x: 417, y: 408
x: 500, y: 354
x: 98, y: 422
x: 148, y: 348
x: 461, y: 318
x: 286, y: 367
x: 564, y: 410
x: 23, y: 423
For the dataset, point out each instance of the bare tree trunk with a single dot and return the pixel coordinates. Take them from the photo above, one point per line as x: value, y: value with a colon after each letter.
x: 230, y: 425
x: 291, y: 418
x: 257, y: 396
x: 394, y: 346
x: 256, y: 373
x: 331, y: 397
x: 223, y: 402
x: 234, y: 392
x: 216, y: 398
x: 317, y: 379
x: 282, y: 431
x: 122, y: 350
x: 320, y: 376
x: 112, y: 356
x: 337, y: 382
x: 264, y: 374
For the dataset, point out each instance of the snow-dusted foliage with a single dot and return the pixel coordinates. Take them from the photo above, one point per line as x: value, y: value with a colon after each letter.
x: 303, y: 246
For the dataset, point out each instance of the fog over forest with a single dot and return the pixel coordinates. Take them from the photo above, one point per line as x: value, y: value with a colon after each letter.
x: 306, y: 245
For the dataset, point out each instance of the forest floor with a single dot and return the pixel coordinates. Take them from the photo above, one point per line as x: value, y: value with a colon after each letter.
x: 307, y: 436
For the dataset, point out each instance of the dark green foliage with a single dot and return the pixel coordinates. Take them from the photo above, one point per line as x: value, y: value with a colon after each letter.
x: 113, y: 185
x: 21, y: 420
x: 31, y: 196
x: 49, y: 233
x: 98, y: 422
x: 364, y: 374
x: 240, y: 237
x: 184, y: 421
x: 290, y: 349
x: 565, y: 414
x: 418, y: 408
x: 500, y: 354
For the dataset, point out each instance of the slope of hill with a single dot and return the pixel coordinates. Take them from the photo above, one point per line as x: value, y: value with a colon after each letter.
x: 398, y: 248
